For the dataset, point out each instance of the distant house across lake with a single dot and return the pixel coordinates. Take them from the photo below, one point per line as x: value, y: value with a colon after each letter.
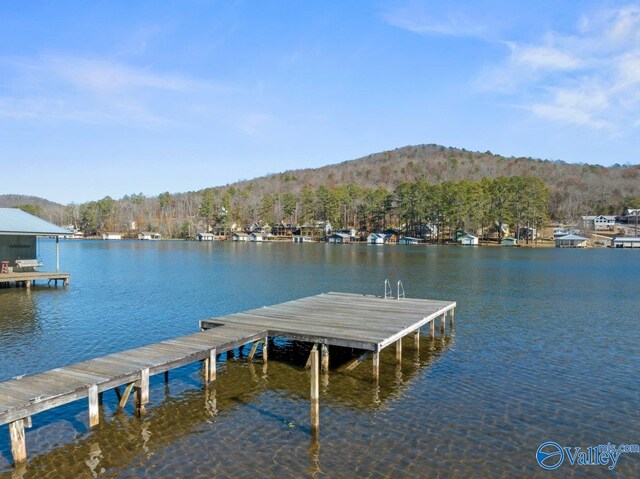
x: 148, y: 235
x: 468, y: 240
x: 301, y: 239
x: 339, y: 238
x: 599, y: 222
x: 409, y: 240
x: 240, y: 237
x: 378, y: 238
x: 111, y: 236
x: 205, y: 236
x: 509, y: 242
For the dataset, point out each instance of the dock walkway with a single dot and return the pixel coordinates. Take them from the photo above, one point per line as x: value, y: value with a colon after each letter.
x: 30, y: 278
x: 363, y: 322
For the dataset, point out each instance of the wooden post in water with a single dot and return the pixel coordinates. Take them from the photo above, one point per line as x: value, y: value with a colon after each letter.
x: 18, y: 443
x: 94, y: 410
x: 141, y: 396
x: 265, y: 349
x: 451, y: 313
x: 211, y: 366
x: 416, y: 338
x: 443, y: 320
x: 432, y: 329
x: 399, y: 351
x: 324, y: 367
x: 315, y: 392
x: 166, y: 376
x: 376, y: 365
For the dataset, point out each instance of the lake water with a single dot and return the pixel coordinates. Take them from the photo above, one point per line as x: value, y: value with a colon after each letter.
x: 545, y: 349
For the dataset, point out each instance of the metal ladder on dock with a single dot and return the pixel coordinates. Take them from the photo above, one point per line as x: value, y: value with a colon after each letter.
x: 388, y: 292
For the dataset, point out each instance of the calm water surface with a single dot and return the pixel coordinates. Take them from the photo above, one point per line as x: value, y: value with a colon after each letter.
x: 545, y: 348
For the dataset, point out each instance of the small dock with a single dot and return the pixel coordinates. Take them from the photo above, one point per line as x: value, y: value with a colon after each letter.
x: 29, y: 279
x: 367, y: 323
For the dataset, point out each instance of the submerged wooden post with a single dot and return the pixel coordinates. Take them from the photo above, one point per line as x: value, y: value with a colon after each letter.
x: 451, y: 313
x: 399, y: 351
x: 324, y: 367
x: 376, y: 365
x: 211, y: 366
x: 432, y: 329
x: 94, y: 410
x: 416, y: 338
x: 18, y: 443
x: 141, y: 396
x: 254, y: 348
x: 443, y: 319
x: 265, y: 347
x: 315, y: 392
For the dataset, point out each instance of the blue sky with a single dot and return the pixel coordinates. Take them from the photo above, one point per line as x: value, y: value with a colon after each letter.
x: 111, y: 98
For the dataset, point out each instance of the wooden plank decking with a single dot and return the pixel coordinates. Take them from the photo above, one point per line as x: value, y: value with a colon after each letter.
x: 29, y: 278
x: 339, y: 319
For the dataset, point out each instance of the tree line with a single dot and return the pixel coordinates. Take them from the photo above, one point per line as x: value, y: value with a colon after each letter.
x: 449, y: 206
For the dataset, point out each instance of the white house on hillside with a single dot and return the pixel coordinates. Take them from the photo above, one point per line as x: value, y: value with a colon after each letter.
x: 599, y: 222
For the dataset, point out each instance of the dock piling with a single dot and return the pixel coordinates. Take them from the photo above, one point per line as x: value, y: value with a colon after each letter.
x: 325, y: 359
x: 18, y: 443
x: 432, y: 329
x: 399, y: 351
x: 376, y: 365
x: 451, y: 314
x: 315, y: 392
x: 265, y: 349
x: 141, y: 396
x: 94, y: 409
x: 416, y: 339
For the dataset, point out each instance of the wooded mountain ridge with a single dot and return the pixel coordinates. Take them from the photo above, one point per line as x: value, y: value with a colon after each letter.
x: 574, y: 190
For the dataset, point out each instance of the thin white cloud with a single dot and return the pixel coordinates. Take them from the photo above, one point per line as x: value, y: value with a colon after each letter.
x: 590, y: 77
x: 439, y: 19
x: 103, y: 91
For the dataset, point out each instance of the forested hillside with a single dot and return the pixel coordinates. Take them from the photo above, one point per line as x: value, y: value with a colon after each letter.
x: 406, y: 186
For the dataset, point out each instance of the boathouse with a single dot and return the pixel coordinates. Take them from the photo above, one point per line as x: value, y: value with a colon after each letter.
x: 625, y: 242
x: 509, y: 242
x: 301, y: 239
x: 468, y: 240
x: 571, y: 241
x: 148, y: 235
x: 408, y: 240
x: 19, y: 232
x: 240, y: 237
x: 339, y: 238
x: 111, y: 236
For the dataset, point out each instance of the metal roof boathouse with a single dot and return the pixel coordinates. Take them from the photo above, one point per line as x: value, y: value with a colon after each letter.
x: 19, y: 248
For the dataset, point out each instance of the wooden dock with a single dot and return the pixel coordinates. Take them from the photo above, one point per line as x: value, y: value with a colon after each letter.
x: 29, y: 279
x: 368, y: 323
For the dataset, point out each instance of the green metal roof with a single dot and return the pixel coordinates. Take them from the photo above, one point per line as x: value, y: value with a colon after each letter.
x: 16, y: 222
